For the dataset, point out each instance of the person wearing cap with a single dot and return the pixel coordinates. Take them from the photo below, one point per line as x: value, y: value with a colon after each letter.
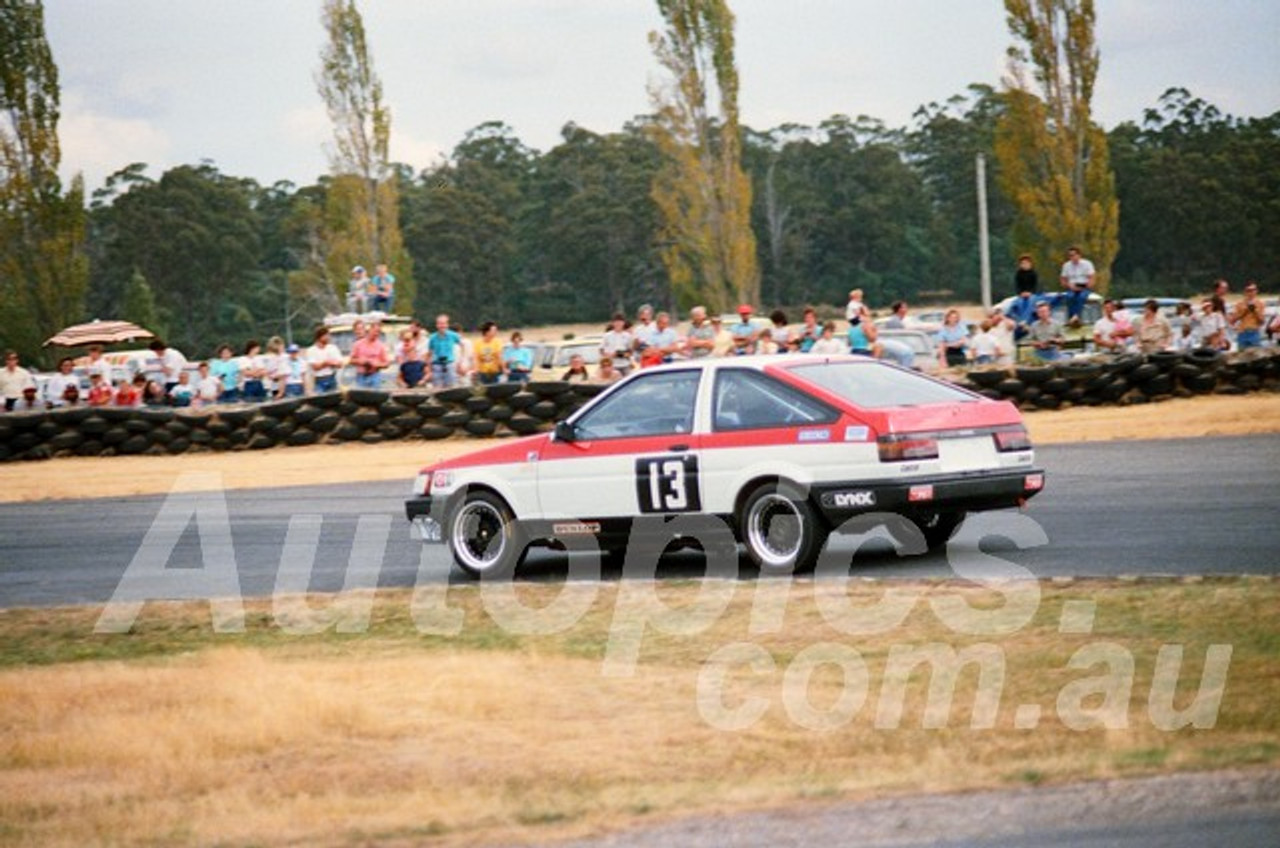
x: 28, y: 402
x: 291, y: 378
x: 744, y: 332
x: 357, y: 290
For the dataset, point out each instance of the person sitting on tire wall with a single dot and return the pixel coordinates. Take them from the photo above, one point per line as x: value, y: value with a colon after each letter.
x: 1046, y: 334
x: 1078, y: 276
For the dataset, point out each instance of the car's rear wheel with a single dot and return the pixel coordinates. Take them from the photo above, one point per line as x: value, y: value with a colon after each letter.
x: 483, y: 537
x: 781, y: 530
x: 939, y: 527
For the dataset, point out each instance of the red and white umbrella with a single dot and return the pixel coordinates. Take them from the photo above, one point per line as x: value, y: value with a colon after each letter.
x: 99, y: 332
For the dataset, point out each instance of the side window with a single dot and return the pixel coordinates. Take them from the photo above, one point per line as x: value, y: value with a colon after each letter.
x: 651, y: 405
x: 747, y: 400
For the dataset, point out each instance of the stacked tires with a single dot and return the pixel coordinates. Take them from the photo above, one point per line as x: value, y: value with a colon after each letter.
x: 506, y: 409
x: 358, y: 415
x: 1130, y: 378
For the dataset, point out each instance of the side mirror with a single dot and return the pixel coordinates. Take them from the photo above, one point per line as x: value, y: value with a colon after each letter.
x: 565, y: 432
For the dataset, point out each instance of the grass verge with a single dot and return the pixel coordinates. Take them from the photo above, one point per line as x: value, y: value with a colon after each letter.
x: 404, y: 731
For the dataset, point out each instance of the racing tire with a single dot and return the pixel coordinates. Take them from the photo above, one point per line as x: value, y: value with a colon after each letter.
x: 1124, y: 363
x: 1204, y: 357
x: 988, y: 379
x: 940, y: 527
x: 1143, y: 372
x: 483, y: 537
x: 782, y: 532
x: 1033, y: 375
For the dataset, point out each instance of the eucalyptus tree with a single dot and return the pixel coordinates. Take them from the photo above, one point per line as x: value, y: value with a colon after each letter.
x: 1053, y: 157
x: 362, y: 219
x: 43, y: 268
x: 702, y: 194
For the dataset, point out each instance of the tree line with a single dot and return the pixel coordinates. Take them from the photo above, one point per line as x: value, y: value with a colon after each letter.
x: 678, y: 206
x: 504, y: 232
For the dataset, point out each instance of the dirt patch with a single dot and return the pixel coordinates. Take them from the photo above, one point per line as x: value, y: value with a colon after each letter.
x: 321, y: 464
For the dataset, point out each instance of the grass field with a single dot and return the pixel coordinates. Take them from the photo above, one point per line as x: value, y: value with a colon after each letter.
x: 174, y: 734
x: 394, y: 724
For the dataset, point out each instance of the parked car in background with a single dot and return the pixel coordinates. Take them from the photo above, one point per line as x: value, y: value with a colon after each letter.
x: 551, y: 359
x: 1168, y: 305
x: 341, y: 332
x: 924, y: 347
x: 1078, y: 339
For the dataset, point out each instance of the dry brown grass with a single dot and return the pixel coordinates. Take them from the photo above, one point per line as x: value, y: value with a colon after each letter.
x: 119, y: 476
x: 395, y: 738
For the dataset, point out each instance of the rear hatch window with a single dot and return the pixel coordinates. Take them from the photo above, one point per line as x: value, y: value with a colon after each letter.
x: 874, y: 386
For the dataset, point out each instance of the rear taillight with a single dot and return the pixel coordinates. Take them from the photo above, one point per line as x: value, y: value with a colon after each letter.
x: 900, y: 448
x: 1012, y: 438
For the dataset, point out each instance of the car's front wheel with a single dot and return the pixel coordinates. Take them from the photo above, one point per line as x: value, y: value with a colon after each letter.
x: 780, y: 529
x: 483, y: 537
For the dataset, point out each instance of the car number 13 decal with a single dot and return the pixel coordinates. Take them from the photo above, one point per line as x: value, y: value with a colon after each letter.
x: 668, y: 484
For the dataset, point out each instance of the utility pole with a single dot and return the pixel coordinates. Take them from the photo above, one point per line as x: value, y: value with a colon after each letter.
x: 984, y: 246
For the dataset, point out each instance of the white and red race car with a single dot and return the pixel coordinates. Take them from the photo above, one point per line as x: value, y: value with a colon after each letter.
x: 775, y: 451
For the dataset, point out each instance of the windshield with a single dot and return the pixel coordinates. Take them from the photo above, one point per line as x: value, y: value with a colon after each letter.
x: 874, y: 386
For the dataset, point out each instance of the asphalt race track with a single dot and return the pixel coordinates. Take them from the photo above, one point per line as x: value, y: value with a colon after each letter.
x: 1203, y: 506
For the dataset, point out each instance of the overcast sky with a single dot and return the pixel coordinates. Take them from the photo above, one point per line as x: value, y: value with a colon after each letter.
x: 169, y: 82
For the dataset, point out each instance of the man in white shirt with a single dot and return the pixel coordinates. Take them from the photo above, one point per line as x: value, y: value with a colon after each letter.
x: 617, y: 343
x: 644, y: 328
x: 55, y: 390
x: 1112, y: 331
x: 1078, y: 276
x: 171, y: 363
x: 324, y: 359
x: 13, y: 379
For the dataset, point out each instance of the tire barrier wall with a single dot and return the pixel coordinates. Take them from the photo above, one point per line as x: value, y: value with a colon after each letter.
x: 355, y: 415
x: 1127, y: 379
x: 360, y: 415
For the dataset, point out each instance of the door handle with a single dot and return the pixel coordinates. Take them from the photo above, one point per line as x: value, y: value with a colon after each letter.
x: 678, y: 448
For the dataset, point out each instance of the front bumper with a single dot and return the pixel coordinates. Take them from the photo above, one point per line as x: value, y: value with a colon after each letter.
x: 969, y: 492
x: 418, y: 511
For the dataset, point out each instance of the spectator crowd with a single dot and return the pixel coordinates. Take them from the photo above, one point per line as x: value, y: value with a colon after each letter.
x: 447, y: 357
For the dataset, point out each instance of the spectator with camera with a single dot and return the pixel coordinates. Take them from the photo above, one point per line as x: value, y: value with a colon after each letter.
x: 1248, y: 318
